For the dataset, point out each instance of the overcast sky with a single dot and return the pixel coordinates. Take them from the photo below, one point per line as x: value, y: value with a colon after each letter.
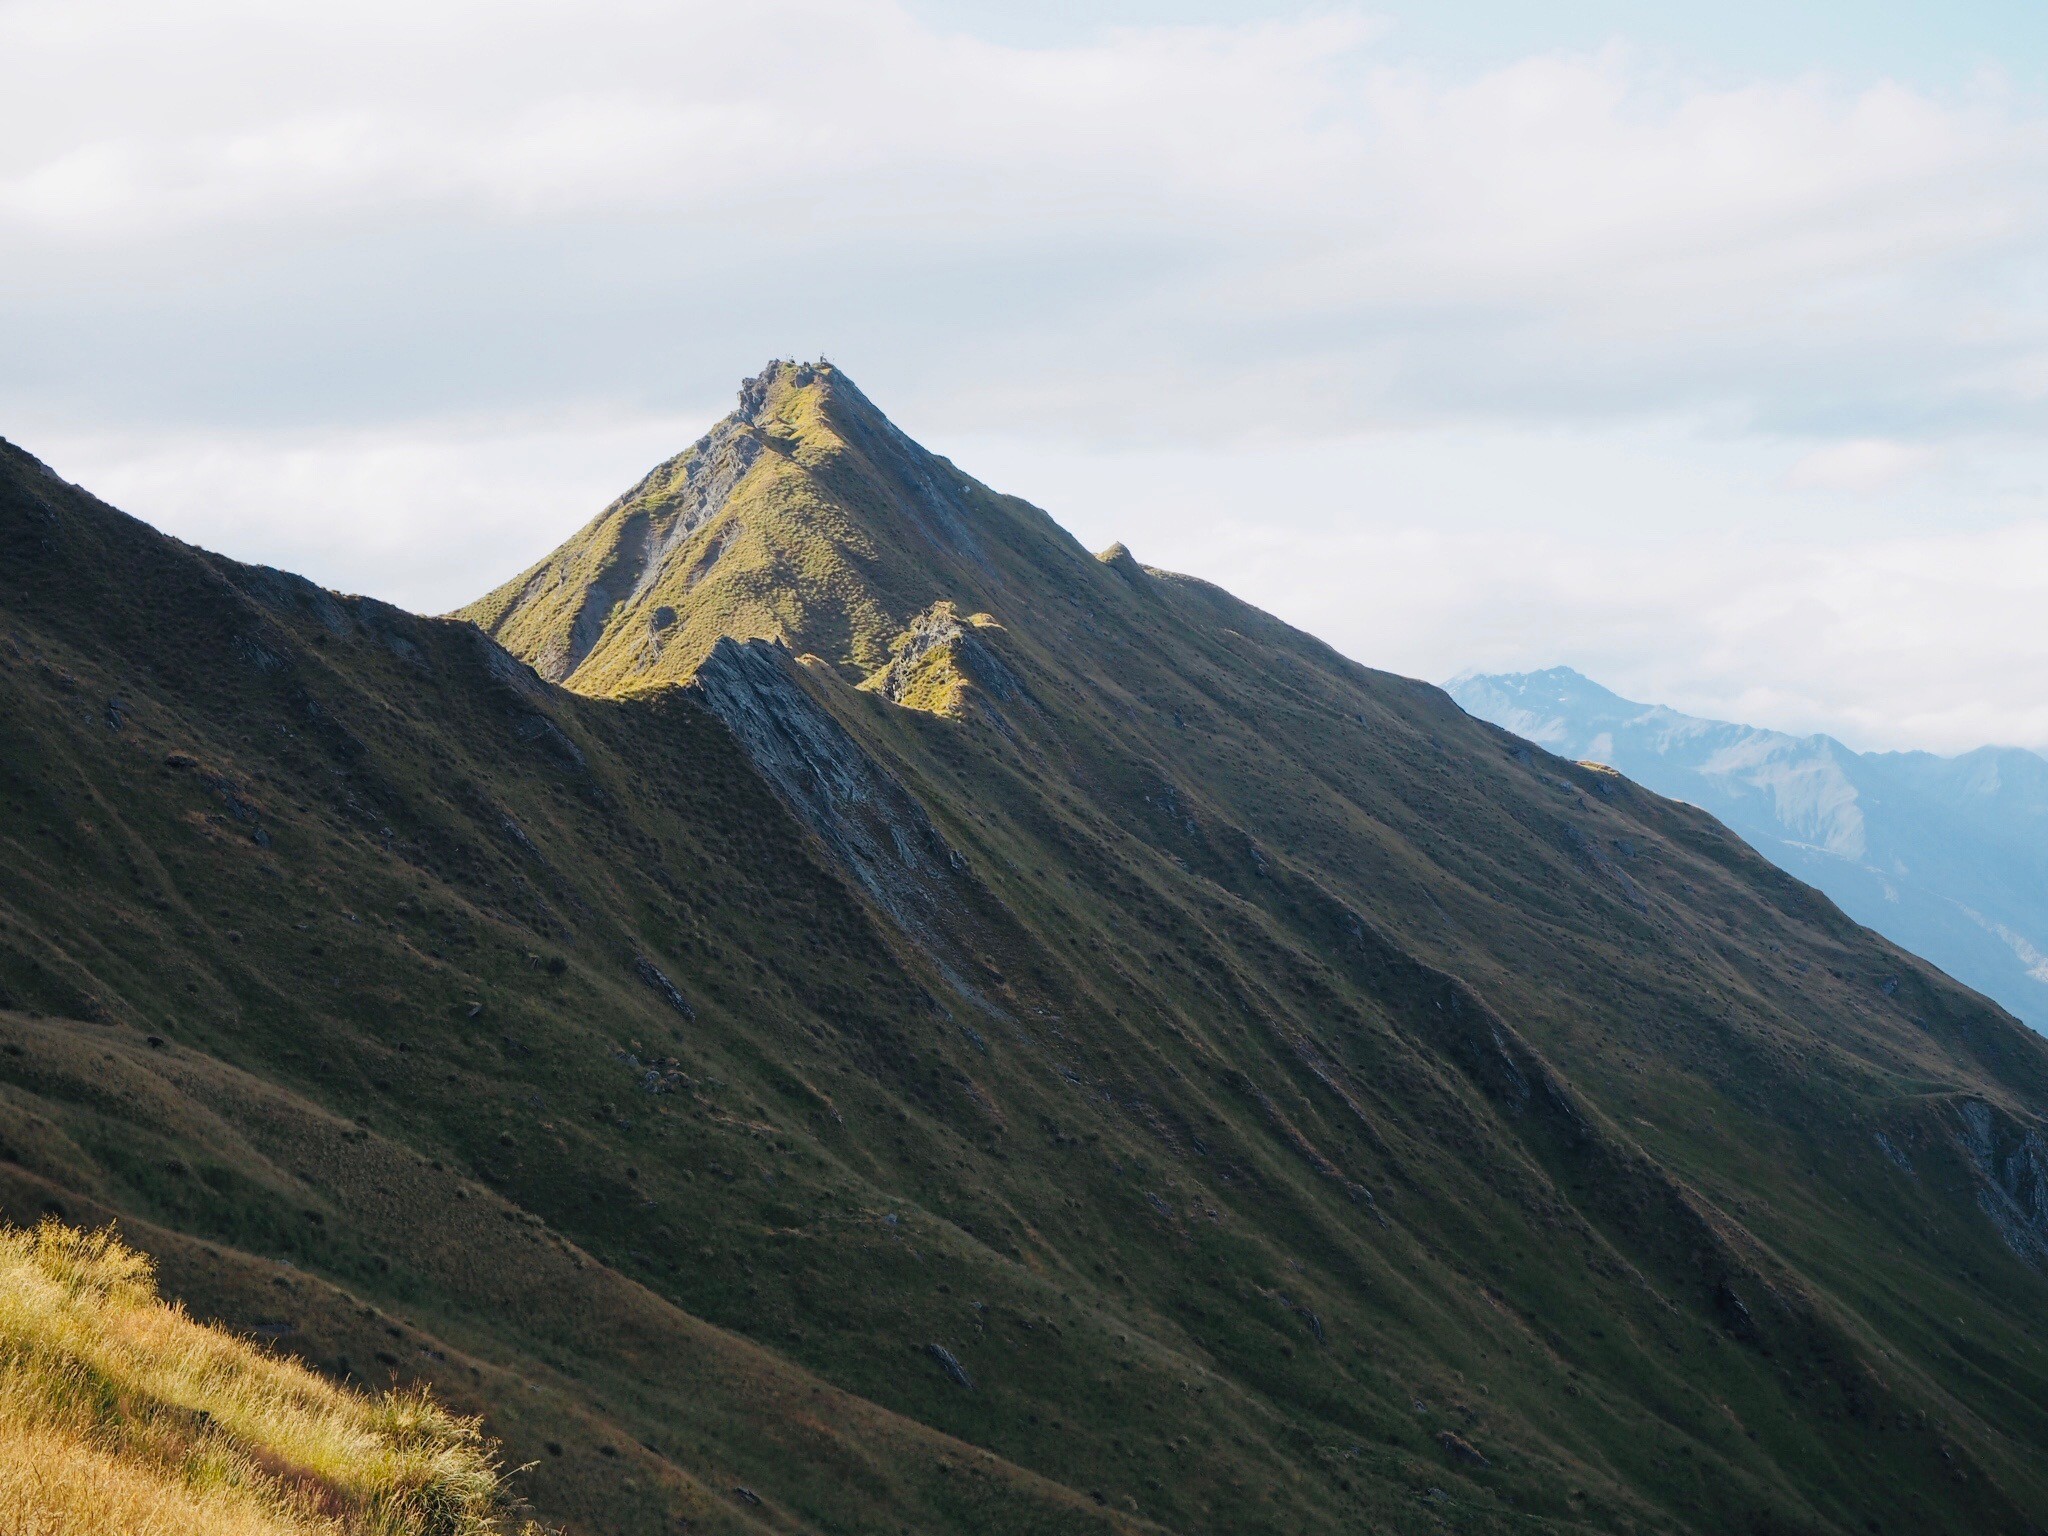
x: 1703, y: 348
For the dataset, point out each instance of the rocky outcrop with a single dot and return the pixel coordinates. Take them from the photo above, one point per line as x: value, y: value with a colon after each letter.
x: 2010, y: 1161
x: 697, y: 487
x: 633, y: 547
x: 667, y: 510
x: 868, y: 822
x: 950, y: 1363
x: 939, y: 653
x: 662, y: 987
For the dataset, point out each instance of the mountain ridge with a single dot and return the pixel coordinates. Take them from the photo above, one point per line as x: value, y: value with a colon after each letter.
x: 1944, y: 854
x: 985, y: 1037
x: 738, y: 514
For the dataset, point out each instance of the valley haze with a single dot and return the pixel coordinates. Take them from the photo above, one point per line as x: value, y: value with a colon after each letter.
x: 1948, y: 856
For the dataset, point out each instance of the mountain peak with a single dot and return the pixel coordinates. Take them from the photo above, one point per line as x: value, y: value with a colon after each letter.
x: 803, y: 516
x: 1550, y: 683
x: 787, y: 393
x: 780, y: 375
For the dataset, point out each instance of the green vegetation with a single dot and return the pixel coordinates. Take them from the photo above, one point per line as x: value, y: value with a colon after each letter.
x: 1106, y: 1062
x: 777, y: 525
x: 120, y: 1413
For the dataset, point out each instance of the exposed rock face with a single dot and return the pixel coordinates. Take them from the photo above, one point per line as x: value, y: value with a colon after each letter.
x: 693, y: 492
x: 935, y: 635
x: 2011, y: 1163
x: 935, y: 655
x: 637, y: 545
x: 1460, y: 1449
x: 950, y: 1364
x: 869, y: 822
x: 669, y: 507
x: 664, y: 989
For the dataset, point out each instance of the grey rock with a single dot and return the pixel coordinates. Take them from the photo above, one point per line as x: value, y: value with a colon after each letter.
x: 661, y: 515
x: 867, y: 821
x: 938, y: 631
x: 2010, y: 1161
x: 950, y: 1364
x: 665, y: 989
x: 1893, y: 1153
x: 1460, y: 1450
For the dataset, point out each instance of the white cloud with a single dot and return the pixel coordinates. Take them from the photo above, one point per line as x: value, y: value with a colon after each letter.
x: 1570, y: 232
x: 1743, y: 598
x: 1896, y: 644
x: 427, y: 516
x: 1410, y: 345
x: 1864, y: 464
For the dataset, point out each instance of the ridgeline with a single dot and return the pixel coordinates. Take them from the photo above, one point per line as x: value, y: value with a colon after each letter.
x: 825, y: 1006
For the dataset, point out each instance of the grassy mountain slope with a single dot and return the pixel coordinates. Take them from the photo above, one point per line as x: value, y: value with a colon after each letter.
x: 399, y: 1111
x: 1947, y: 856
x: 813, y: 523
x: 119, y: 1413
x: 1121, y: 1064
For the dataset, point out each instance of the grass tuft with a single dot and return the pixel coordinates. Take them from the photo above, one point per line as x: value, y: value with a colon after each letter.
x: 118, y: 1412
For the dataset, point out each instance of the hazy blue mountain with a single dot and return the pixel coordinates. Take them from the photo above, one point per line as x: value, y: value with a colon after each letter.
x: 1946, y: 855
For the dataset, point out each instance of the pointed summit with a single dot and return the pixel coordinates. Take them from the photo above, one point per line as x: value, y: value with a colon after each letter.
x: 805, y: 516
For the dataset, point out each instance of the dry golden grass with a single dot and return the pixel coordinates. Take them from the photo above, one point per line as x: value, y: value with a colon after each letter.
x: 119, y: 1413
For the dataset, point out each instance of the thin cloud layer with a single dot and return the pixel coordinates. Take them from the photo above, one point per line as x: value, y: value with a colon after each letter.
x: 1567, y: 234
x: 399, y: 264
x: 1864, y: 641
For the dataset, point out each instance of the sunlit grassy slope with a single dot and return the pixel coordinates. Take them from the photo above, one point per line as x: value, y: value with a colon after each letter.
x: 1048, y: 1048
x: 121, y: 1416
x: 755, y: 531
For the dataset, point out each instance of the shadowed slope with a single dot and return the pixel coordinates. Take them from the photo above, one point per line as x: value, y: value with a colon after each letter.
x: 1948, y: 856
x: 1071, y: 1013
x: 1291, y: 894
x: 330, y: 937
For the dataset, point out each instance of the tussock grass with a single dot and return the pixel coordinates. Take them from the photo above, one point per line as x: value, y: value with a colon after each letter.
x: 118, y: 1412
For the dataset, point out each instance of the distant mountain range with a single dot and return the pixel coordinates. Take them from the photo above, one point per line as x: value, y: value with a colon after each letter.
x: 1945, y: 855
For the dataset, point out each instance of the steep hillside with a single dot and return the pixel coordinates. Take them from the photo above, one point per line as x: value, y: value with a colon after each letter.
x: 805, y: 517
x: 1946, y: 855
x: 341, y: 963
x: 1043, y: 1046
x: 119, y: 1413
